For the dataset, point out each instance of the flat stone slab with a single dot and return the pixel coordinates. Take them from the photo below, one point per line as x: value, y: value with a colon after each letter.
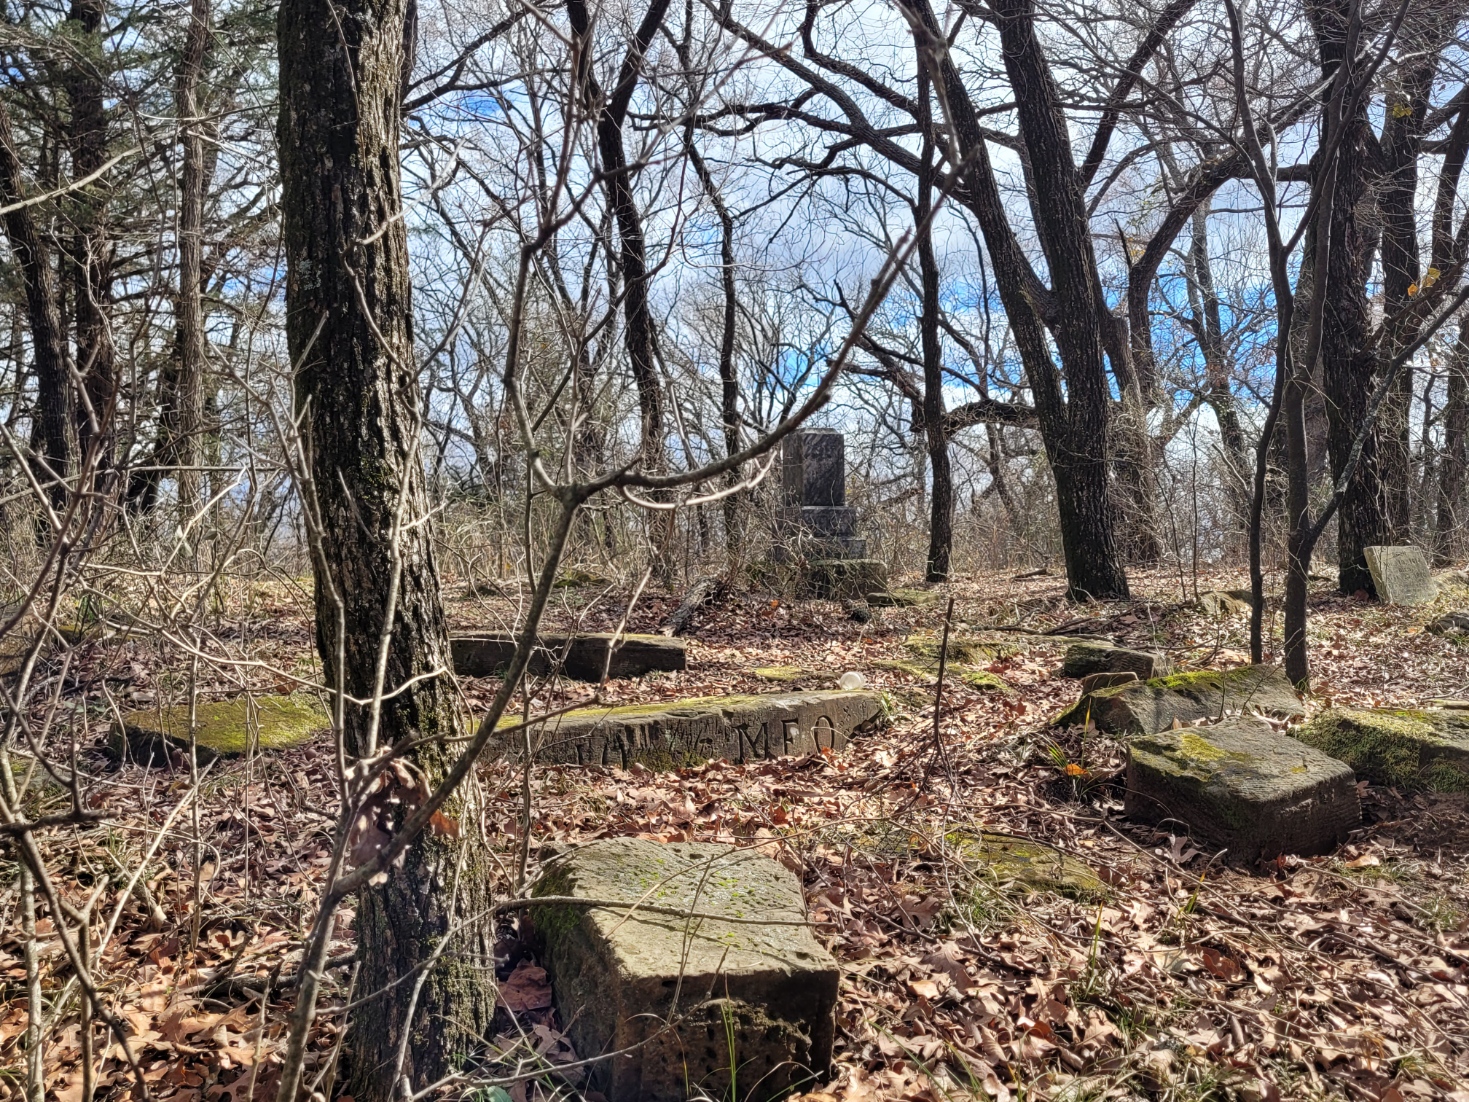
x: 1094, y: 681
x: 1407, y: 748
x: 223, y: 728
x: 1148, y: 706
x: 690, y: 732
x: 1451, y: 624
x: 1400, y: 575
x: 581, y: 657
x: 1239, y: 785
x: 1085, y: 659
x: 735, y: 966
x: 1007, y: 859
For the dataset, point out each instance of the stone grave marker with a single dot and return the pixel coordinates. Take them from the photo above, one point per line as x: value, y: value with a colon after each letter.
x: 680, y: 733
x: 1400, y: 575
x: 1407, y: 748
x: 683, y: 924
x: 1146, y: 706
x: 816, y: 524
x: 1240, y: 785
x: 223, y: 728
x: 581, y: 657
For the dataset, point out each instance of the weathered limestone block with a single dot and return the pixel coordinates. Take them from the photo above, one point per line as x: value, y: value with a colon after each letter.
x: 680, y: 992
x: 1148, y: 706
x: 690, y: 732
x: 1241, y: 786
x: 1225, y: 602
x: 1400, y: 575
x: 223, y: 728
x: 1094, y: 681
x: 1084, y: 659
x: 585, y: 655
x: 1401, y: 747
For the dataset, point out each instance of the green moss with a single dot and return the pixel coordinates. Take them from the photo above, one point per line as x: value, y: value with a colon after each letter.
x: 903, y: 598
x: 1209, y: 681
x: 1400, y: 747
x: 928, y: 671
x: 963, y: 650
x: 984, y: 680
x: 225, y: 727
x: 1033, y: 865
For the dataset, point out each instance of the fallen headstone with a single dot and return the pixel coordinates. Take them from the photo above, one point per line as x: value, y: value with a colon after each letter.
x: 581, y: 657
x: 699, y: 970
x: 1147, y: 706
x: 1084, y: 659
x: 1239, y: 785
x: 1450, y: 623
x: 223, y: 729
x: 783, y: 674
x: 690, y: 732
x: 1225, y: 602
x: 903, y: 598
x: 1400, y: 575
x: 1006, y: 859
x: 1406, y: 748
x: 1094, y: 681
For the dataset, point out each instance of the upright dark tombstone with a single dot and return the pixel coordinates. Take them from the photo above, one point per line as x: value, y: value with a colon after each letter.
x: 815, y: 524
x: 815, y: 518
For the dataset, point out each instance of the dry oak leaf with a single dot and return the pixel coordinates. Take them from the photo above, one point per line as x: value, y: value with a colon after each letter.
x: 526, y: 989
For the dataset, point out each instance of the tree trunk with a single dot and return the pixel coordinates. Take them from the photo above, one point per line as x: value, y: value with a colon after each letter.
x: 349, y: 329
x: 43, y: 313
x: 935, y: 429
x: 91, y: 248
x: 1455, y: 461
x: 186, y: 409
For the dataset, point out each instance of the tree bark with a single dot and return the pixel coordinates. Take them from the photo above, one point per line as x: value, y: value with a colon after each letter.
x: 43, y: 313
x: 91, y: 246
x: 1346, y: 372
x: 349, y: 330
x: 184, y: 409
x: 1455, y: 463
x: 935, y: 427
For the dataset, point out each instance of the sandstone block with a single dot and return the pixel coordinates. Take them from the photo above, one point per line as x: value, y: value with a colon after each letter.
x: 1402, y: 747
x: 222, y: 728
x: 733, y: 978
x: 1189, y: 698
x: 1084, y: 659
x: 581, y: 657
x: 690, y: 732
x: 1241, y: 786
x: 1400, y: 575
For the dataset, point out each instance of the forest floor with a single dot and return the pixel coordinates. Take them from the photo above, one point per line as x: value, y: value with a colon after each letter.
x: 1344, y: 976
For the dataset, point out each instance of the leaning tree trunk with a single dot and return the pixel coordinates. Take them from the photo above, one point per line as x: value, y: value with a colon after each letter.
x: 43, y: 312
x: 349, y: 329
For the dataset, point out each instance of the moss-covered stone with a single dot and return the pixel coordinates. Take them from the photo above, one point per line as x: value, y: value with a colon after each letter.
x: 844, y: 579
x: 1033, y: 865
x: 1240, y: 786
x: 1225, y: 602
x: 582, y: 657
x: 963, y: 650
x: 781, y: 674
x: 928, y: 671
x: 1189, y: 698
x: 903, y: 598
x: 223, y: 728
x: 1085, y: 659
x: 1452, y: 624
x: 677, y: 733
x: 577, y: 578
x: 1401, y: 747
x: 616, y: 970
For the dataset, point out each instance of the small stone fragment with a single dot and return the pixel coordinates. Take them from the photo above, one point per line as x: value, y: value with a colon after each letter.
x: 1084, y: 659
x: 222, y: 728
x: 1093, y: 681
x: 1401, y: 747
x: 1450, y: 623
x: 617, y: 971
x: 1189, y: 698
x: 690, y: 732
x: 1400, y: 575
x: 1239, y: 785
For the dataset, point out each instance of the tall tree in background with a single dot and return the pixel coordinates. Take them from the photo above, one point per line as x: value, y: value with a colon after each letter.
x: 380, y: 622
